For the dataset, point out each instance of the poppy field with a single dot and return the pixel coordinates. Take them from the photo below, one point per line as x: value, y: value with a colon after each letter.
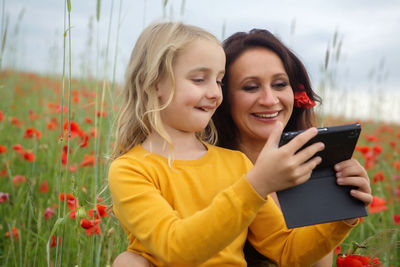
x: 54, y: 204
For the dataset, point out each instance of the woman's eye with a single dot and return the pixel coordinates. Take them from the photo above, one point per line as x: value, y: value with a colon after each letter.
x: 250, y: 87
x: 220, y: 83
x: 280, y: 84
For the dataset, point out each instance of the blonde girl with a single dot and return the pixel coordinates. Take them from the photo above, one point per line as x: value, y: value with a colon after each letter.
x: 183, y: 201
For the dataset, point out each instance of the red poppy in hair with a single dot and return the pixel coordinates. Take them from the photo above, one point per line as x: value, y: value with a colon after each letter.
x: 301, y: 99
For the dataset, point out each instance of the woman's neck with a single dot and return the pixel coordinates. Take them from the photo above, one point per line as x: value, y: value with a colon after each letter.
x: 185, y: 146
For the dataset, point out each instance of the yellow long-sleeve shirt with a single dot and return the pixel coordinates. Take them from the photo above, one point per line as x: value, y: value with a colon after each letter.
x: 199, y: 211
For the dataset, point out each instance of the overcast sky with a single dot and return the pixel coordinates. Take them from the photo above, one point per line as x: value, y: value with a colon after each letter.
x: 369, y: 31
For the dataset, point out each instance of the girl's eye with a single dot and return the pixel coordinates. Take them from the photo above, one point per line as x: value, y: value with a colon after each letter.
x: 250, y: 87
x: 198, y: 80
x: 220, y: 84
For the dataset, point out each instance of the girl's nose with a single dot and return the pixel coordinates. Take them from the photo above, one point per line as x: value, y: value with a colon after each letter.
x: 268, y: 97
x: 214, y: 91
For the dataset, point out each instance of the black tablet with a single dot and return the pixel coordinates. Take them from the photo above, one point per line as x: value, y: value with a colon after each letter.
x: 321, y: 199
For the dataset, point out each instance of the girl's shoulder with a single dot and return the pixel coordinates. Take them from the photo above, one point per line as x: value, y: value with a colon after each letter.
x: 229, y: 154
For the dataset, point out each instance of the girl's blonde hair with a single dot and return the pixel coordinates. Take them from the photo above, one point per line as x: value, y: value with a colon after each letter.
x: 152, y: 58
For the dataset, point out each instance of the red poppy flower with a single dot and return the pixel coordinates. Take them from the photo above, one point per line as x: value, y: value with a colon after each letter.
x: 70, y: 200
x: 72, y: 214
x: 100, y: 211
x: 102, y: 114
x: 18, y: 179
x: 15, y: 121
x: 84, y: 139
x: 30, y: 132
x: 301, y: 100
x: 397, y: 165
x: 53, y: 241
x: 51, y: 126
x: 93, y: 132
x: 88, y: 161
x: 75, y: 130
x: 378, y: 204
x: 18, y: 148
x: 377, y: 149
x: 3, y: 149
x: 44, y: 187
x: 3, y: 172
x: 64, y: 159
x: 29, y: 156
x: 337, y: 250
x: 363, y: 149
x: 65, y: 149
x: 396, y: 219
x: 91, y: 227
x: 4, y: 197
x: 392, y: 144
x: 1, y: 116
x: 357, y: 261
x: 14, y: 233
x: 88, y: 120
x: 371, y: 138
x: 378, y: 177
x: 48, y: 213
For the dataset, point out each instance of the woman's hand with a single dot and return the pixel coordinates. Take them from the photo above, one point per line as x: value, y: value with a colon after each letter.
x: 351, y: 173
x: 278, y: 168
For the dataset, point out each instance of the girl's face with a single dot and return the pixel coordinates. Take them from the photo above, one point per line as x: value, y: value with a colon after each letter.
x: 259, y: 93
x: 198, y: 69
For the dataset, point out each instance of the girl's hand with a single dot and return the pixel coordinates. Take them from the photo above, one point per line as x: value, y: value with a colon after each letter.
x: 350, y: 172
x: 278, y: 168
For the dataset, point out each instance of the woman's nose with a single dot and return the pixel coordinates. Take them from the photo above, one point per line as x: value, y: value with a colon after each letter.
x: 268, y: 97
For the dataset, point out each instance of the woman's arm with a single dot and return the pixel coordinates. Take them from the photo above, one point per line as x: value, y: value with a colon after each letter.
x: 130, y: 259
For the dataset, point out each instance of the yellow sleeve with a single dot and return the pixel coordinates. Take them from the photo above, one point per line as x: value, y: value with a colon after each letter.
x: 144, y: 212
x: 293, y: 247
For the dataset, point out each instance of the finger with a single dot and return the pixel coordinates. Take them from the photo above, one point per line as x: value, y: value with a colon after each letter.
x: 348, y: 163
x: 364, y: 197
x: 301, y: 139
x: 352, y: 171
x: 308, y: 167
x: 306, y: 153
x: 359, y: 182
x: 275, y: 136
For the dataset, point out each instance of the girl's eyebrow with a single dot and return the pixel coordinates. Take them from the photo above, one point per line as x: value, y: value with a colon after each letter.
x: 205, y: 69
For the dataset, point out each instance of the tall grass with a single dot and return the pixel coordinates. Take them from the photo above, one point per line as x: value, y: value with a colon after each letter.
x: 56, y: 105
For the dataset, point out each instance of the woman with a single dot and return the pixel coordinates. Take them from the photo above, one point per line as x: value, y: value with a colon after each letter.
x: 260, y: 84
x: 262, y: 79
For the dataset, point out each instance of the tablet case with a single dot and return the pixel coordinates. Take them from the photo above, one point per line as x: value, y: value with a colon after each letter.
x: 320, y: 199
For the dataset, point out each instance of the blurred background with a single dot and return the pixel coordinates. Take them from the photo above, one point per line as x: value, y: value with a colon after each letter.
x: 350, y: 48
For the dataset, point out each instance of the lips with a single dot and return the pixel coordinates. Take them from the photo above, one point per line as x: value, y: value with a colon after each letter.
x: 206, y: 108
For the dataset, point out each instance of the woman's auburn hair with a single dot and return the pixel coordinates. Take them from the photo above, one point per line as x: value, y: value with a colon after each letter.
x: 236, y: 45
x: 151, y: 60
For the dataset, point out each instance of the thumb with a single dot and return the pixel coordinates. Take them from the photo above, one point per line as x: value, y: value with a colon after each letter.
x: 275, y: 136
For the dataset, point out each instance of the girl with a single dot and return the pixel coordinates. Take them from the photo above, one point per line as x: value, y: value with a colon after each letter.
x: 183, y: 201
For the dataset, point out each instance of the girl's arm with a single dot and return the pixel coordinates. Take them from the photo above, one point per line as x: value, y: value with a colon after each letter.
x: 146, y: 214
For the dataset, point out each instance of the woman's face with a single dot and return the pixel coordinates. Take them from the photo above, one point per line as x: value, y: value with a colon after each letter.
x: 260, y: 94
